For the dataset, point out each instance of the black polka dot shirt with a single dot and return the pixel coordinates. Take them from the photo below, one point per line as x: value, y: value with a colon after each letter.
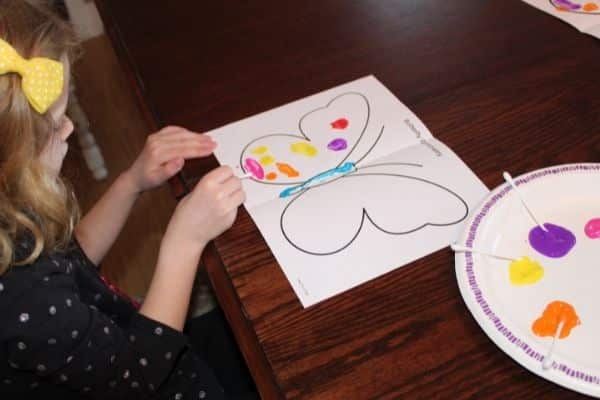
x: 65, y: 332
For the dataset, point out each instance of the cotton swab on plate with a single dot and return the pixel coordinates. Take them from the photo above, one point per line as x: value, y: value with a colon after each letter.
x: 547, y: 363
x: 511, y: 182
x: 459, y: 248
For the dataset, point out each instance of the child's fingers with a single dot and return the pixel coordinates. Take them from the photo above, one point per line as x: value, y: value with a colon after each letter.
x: 190, y: 141
x: 170, y: 130
x: 229, y: 186
x: 168, y: 169
x: 184, y: 141
x: 172, y: 167
x: 219, y: 174
x: 188, y: 137
x: 236, y: 198
x: 174, y: 134
x: 183, y: 151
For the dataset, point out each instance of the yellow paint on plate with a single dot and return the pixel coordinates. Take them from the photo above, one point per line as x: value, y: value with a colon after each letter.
x: 260, y: 150
x: 525, y: 271
x: 306, y: 149
x: 267, y: 160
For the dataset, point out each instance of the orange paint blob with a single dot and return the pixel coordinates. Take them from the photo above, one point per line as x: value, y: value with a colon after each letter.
x: 555, y: 312
x: 271, y: 176
x: 589, y: 7
x: 287, y: 169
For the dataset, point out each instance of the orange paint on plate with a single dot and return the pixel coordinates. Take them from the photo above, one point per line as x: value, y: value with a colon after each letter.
x: 555, y: 312
x: 590, y: 7
x: 287, y: 169
x: 271, y: 176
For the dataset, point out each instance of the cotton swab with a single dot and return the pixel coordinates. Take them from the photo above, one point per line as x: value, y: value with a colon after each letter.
x: 459, y: 248
x: 245, y: 176
x: 511, y: 182
x: 547, y: 363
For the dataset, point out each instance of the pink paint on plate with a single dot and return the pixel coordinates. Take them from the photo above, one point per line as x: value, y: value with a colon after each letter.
x: 254, y: 168
x: 592, y: 228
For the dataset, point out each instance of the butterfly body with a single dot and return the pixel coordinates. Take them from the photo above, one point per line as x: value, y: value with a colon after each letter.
x: 321, y: 178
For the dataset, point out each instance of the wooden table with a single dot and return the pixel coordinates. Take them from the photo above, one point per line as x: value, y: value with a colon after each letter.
x: 503, y: 84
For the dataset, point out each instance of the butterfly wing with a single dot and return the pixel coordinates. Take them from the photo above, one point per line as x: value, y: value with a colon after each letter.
x: 338, y: 127
x: 327, y: 137
x: 327, y: 219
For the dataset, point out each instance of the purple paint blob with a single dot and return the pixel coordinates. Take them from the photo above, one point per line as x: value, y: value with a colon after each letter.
x: 337, y: 144
x: 568, y: 4
x: 555, y: 243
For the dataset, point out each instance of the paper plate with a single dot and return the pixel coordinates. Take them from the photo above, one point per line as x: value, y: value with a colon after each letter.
x: 576, y: 6
x: 565, y: 195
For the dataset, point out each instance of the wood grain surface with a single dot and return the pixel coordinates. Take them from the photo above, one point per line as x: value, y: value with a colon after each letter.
x: 504, y: 85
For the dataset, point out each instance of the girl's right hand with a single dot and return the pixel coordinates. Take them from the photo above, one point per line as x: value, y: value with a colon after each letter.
x: 208, y: 210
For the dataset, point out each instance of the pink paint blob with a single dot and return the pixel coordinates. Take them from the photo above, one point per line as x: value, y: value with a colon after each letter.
x: 592, y: 228
x: 254, y: 168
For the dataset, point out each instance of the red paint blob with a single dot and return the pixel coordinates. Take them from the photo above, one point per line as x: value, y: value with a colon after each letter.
x: 341, y: 123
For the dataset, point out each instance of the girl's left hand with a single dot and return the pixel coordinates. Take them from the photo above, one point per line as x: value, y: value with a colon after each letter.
x: 164, y: 154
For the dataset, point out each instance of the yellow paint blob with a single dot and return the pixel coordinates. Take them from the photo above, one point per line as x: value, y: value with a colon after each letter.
x: 306, y: 149
x: 260, y: 150
x: 267, y: 160
x: 525, y: 271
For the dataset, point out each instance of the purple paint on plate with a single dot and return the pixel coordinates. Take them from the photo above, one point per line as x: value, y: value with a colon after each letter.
x: 555, y: 243
x: 337, y: 144
x: 568, y: 4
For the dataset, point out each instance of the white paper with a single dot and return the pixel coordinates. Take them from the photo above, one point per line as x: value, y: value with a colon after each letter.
x: 584, y: 15
x: 407, y: 198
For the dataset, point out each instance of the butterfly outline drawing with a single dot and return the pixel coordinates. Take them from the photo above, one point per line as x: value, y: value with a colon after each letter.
x: 361, y: 141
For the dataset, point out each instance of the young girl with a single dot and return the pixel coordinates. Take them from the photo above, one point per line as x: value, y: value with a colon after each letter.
x: 64, y: 332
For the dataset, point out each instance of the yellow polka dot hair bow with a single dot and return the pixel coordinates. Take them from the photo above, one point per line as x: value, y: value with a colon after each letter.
x: 42, y: 78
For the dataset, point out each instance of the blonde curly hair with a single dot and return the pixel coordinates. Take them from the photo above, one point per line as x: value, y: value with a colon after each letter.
x: 32, y: 201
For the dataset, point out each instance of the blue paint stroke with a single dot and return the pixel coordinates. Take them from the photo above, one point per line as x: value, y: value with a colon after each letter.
x: 323, y: 177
